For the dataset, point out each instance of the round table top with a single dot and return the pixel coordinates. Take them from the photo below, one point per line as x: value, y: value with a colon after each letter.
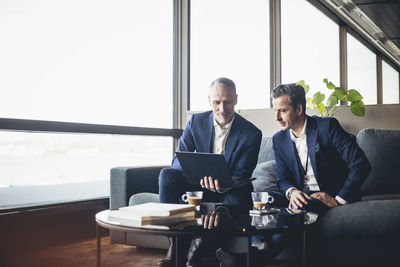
x: 240, y: 225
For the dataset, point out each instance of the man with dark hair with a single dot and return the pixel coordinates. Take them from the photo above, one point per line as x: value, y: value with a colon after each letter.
x: 219, y: 131
x: 318, y: 165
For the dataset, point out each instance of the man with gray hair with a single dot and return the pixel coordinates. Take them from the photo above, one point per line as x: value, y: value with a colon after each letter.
x: 220, y: 131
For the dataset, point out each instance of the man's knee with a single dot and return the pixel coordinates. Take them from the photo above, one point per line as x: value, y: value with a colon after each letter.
x: 169, y: 175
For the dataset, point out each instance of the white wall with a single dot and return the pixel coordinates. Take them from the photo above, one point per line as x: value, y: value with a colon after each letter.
x: 376, y: 116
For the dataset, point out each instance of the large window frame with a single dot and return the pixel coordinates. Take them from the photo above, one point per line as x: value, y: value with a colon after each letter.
x: 181, y: 77
x: 275, y: 51
x: 46, y: 126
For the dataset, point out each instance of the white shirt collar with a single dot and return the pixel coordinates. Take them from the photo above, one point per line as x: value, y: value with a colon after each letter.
x: 302, y: 134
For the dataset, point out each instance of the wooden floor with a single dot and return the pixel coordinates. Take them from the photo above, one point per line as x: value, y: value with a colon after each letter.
x: 84, y: 254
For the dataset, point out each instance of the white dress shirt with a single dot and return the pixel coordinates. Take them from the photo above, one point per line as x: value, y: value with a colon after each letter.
x: 220, y: 135
x: 301, y: 145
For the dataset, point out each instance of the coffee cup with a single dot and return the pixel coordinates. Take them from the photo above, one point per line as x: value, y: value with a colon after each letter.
x: 193, y: 197
x: 260, y: 199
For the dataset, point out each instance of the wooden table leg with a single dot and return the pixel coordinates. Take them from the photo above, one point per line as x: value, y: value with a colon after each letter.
x: 98, y: 250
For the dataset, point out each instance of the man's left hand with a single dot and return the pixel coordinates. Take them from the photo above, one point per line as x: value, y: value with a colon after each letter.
x: 213, y: 185
x: 211, y: 219
x: 326, y: 199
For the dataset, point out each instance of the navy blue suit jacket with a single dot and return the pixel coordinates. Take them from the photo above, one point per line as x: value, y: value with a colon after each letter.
x: 339, y: 164
x: 242, y: 145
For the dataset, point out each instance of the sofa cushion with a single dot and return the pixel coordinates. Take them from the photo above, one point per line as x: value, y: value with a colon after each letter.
x: 381, y: 147
x: 141, y: 198
x: 364, y: 233
x: 374, y: 219
x: 266, y: 176
x: 266, y: 152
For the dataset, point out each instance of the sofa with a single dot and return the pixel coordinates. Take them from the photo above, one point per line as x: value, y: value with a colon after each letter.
x: 364, y: 233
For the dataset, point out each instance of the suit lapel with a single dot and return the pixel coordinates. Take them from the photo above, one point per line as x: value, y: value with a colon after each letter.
x: 208, y: 128
x: 233, y: 138
x: 290, y: 147
x: 312, y: 135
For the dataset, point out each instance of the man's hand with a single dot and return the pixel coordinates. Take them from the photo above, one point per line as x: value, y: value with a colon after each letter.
x: 210, y: 220
x: 213, y: 185
x: 326, y: 199
x: 298, y: 199
x: 292, y: 211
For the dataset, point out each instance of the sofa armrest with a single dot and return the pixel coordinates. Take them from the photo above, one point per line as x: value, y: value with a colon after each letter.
x: 126, y: 181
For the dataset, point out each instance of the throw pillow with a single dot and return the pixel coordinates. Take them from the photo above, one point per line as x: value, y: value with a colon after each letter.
x: 266, y: 176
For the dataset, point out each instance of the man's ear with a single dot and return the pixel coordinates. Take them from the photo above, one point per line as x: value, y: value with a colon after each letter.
x: 299, y: 109
x: 236, y: 96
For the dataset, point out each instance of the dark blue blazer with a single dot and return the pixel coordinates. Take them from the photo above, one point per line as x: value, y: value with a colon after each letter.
x: 242, y: 145
x: 339, y: 164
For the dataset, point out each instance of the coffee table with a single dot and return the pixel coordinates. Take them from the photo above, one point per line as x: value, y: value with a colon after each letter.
x: 234, y: 226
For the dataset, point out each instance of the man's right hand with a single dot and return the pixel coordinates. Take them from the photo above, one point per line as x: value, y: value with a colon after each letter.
x: 298, y: 199
x: 213, y: 185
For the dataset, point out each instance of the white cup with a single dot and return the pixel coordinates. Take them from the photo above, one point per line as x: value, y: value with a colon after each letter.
x: 260, y: 199
x: 193, y: 198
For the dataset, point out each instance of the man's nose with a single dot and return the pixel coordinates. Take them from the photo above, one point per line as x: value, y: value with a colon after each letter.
x: 222, y: 107
x: 277, y: 116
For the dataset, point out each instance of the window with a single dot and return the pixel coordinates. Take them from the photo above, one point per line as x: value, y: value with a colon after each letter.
x: 361, y: 65
x: 96, y: 62
x: 29, y: 160
x: 310, y: 50
x: 87, y: 61
x: 230, y: 38
x: 390, y: 84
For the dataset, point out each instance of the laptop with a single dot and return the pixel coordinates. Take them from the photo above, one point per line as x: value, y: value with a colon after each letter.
x: 196, y: 165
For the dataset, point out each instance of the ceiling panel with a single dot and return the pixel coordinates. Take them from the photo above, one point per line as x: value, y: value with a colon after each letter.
x: 385, y: 14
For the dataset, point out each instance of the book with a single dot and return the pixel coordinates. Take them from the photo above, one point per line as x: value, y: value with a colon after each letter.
x: 157, y: 209
x: 140, y: 220
x: 164, y: 226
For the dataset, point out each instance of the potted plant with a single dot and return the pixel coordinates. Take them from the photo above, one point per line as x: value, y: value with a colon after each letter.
x: 330, y: 108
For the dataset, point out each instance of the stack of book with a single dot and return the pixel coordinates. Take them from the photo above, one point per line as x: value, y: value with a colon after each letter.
x: 154, y: 215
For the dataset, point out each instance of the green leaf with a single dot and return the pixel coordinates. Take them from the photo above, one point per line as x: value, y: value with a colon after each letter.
x: 333, y: 100
x: 309, y: 103
x: 306, y: 88
x: 301, y: 82
x: 329, y: 85
x: 353, y: 95
x: 358, y: 108
x: 318, y: 98
x: 340, y: 93
x: 321, y: 107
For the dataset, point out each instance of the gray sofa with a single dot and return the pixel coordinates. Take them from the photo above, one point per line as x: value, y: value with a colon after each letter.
x: 362, y: 233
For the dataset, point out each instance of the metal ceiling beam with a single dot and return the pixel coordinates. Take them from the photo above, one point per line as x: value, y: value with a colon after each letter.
x: 362, y: 24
